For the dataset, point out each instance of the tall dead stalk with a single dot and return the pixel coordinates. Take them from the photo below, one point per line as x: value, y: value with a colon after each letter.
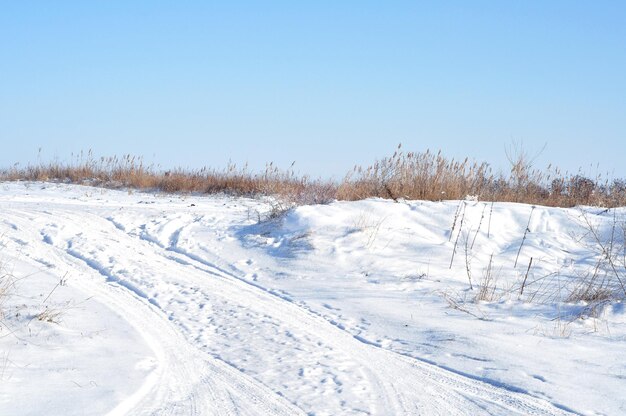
x: 526, y: 231
x: 458, y: 234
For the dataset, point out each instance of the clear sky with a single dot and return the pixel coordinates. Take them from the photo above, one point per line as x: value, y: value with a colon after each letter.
x: 326, y: 83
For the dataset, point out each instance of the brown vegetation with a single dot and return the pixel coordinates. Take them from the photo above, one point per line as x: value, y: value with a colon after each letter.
x: 431, y: 176
x: 426, y: 176
x: 131, y: 172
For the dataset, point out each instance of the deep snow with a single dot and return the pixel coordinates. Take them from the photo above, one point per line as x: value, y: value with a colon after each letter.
x: 166, y: 304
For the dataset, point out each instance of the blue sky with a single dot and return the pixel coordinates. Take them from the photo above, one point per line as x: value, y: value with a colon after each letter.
x: 327, y: 84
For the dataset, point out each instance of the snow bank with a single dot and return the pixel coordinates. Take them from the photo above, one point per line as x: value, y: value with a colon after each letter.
x: 188, y: 305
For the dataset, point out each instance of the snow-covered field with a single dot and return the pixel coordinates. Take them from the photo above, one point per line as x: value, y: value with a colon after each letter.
x: 141, y: 304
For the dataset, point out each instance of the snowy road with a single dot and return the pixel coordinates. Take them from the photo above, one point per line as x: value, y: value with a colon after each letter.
x: 221, y: 343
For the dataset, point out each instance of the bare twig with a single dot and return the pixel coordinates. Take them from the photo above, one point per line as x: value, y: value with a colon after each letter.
x: 468, y: 266
x: 521, y: 291
x: 488, y: 284
x: 605, y: 252
x: 482, y: 215
x: 62, y: 282
x: 457, y: 236
x: 525, y: 232
x: 489, y: 226
x: 456, y: 216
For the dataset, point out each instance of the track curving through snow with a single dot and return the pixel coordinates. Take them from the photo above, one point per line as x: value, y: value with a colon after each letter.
x: 227, y: 346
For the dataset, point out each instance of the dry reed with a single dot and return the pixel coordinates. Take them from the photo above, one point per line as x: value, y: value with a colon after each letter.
x: 410, y: 175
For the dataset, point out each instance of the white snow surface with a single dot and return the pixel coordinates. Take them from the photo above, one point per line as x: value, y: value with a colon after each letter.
x: 159, y: 304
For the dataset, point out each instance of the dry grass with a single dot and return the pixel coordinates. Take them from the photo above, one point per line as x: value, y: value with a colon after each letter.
x: 488, y: 285
x: 50, y: 315
x: 607, y: 279
x: 432, y: 176
x: 422, y: 176
x: 131, y: 172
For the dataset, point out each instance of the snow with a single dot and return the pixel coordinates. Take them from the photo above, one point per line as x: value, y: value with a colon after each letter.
x: 169, y: 304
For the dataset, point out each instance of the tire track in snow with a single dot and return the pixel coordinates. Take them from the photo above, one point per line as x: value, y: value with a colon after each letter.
x: 198, y: 275
x: 186, y: 381
x: 402, y: 385
x: 91, y: 245
x: 453, y: 391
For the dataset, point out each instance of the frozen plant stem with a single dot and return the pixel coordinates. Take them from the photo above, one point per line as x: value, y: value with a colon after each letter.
x: 62, y: 282
x: 608, y: 255
x: 458, y: 234
x: 489, y: 225
x: 525, y: 232
x: 456, y: 216
x: 468, y: 266
x: 521, y: 292
x: 482, y: 215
